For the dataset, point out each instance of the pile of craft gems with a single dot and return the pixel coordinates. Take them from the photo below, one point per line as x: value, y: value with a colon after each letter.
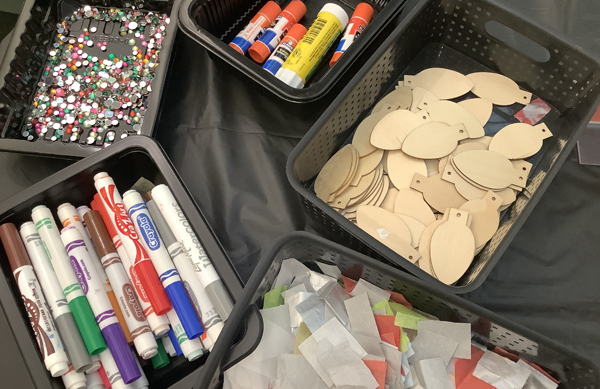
x: 421, y: 177
x: 324, y: 330
x: 83, y: 98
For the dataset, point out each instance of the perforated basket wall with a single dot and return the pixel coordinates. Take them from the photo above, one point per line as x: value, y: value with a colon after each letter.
x: 573, y: 370
x: 452, y: 34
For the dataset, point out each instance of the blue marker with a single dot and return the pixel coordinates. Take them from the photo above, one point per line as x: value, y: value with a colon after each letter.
x: 170, y: 279
x: 174, y: 342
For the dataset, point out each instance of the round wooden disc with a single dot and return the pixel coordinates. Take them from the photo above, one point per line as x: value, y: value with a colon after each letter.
x: 402, y: 168
x: 335, y: 173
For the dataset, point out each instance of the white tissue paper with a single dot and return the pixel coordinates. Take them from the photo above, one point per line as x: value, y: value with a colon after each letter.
x: 459, y: 332
x: 312, y: 312
x: 330, y: 270
x: 500, y: 372
x: 291, y: 269
x: 432, y: 374
x: 428, y: 345
x: 279, y: 316
x: 375, y: 293
x: 294, y: 372
x: 361, y: 316
x: 536, y: 380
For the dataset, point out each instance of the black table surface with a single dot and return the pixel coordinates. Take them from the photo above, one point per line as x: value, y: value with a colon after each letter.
x: 230, y: 145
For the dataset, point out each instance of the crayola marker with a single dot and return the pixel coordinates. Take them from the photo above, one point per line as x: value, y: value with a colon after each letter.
x: 143, y: 339
x: 158, y: 324
x: 82, y: 312
x: 285, y: 48
x: 91, y: 285
x: 161, y: 359
x: 59, y: 307
x: 69, y: 216
x: 96, y: 365
x: 94, y: 381
x: 211, y: 320
x: 73, y: 380
x: 112, y: 372
x: 111, y: 198
x: 155, y: 247
x: 358, y: 22
x: 169, y: 348
x: 192, y: 348
x: 142, y: 382
x: 174, y: 342
x: 46, y: 334
x: 268, y: 41
x: 262, y: 20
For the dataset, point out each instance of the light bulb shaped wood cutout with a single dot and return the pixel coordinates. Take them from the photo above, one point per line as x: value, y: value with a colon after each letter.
x: 402, y: 168
x: 490, y: 169
x: 499, y: 89
x: 443, y: 83
x: 418, y: 95
x: 486, y: 217
x: 452, y: 114
x: 337, y: 173
x: 425, y: 247
x: 400, y: 98
x: 411, y: 203
x: 438, y: 193
x: 480, y: 108
x: 520, y: 140
x: 390, y: 131
x: 362, y: 136
x: 434, y: 140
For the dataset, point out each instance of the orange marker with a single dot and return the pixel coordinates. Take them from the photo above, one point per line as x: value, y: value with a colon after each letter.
x: 358, y: 22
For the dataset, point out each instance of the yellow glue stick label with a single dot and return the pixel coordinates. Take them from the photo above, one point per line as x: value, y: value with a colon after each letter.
x: 312, y: 48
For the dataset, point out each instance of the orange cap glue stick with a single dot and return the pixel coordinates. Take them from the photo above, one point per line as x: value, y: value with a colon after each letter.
x: 285, y: 48
x: 262, y: 20
x: 268, y: 41
x: 359, y: 20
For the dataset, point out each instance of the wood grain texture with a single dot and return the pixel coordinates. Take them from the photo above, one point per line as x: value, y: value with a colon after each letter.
x: 434, y: 140
x: 485, y: 215
x: 425, y: 247
x: 366, y: 165
x: 390, y: 199
x: 416, y: 229
x: 453, y: 114
x: 390, y: 131
x: 439, y: 194
x: 353, y: 192
x: 489, y: 169
x: 411, y: 203
x: 418, y: 95
x: 402, y: 168
x: 520, y: 140
x: 443, y: 83
x: 485, y: 140
x: 400, y: 98
x: 480, y: 108
x: 499, y: 89
x: 461, y: 148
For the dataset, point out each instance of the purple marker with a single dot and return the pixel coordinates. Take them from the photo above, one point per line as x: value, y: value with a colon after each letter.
x: 105, y: 316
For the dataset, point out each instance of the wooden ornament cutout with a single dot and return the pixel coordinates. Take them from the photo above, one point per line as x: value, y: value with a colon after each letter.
x: 389, y: 132
x: 432, y: 167
x: 489, y: 169
x: 411, y: 203
x: 362, y: 136
x: 353, y: 192
x: 388, y: 229
x: 376, y: 183
x: 416, y: 229
x: 400, y: 98
x: 390, y: 199
x: 434, y: 140
x: 366, y: 165
x: 452, y: 247
x: 425, y: 247
x: 348, y: 181
x: 485, y: 140
x: 480, y: 108
x: 485, y: 215
x: 382, y: 193
x: 334, y: 175
x: 520, y: 140
x: 460, y: 149
x: 402, y: 168
x: 453, y: 114
x: 439, y: 194
x: 499, y: 89
x: 418, y: 95
x: 443, y: 83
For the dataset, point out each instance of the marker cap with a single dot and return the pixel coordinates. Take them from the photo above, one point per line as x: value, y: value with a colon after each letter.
x: 15, y: 250
x: 185, y: 310
x: 290, y: 78
x: 71, y: 337
x: 86, y: 322
x: 174, y: 342
x: 195, y: 355
x: 99, y: 233
x: 161, y: 359
x: 121, y: 353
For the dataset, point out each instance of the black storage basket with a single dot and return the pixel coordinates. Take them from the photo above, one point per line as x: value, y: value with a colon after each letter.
x: 126, y: 162
x: 214, y: 24
x: 452, y: 34
x: 22, y: 69
x: 573, y: 370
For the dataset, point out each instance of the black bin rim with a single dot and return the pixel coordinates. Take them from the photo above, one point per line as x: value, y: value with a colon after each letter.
x: 366, y: 239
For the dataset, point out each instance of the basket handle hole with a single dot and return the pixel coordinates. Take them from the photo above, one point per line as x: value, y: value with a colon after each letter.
x: 517, y: 41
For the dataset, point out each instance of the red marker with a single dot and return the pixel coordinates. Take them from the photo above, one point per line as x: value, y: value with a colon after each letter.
x: 111, y: 198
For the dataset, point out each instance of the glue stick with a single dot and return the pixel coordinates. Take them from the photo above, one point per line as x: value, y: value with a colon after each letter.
x: 301, y: 64
x: 285, y: 48
x: 263, y: 19
x: 268, y: 41
x: 358, y: 22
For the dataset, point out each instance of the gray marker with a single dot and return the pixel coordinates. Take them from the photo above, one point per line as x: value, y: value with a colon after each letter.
x: 67, y: 328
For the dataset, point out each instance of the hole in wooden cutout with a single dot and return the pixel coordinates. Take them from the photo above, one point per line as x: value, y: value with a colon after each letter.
x: 410, y: 256
x: 424, y: 117
x: 418, y: 181
x: 524, y: 168
x: 543, y: 130
x: 461, y: 131
x: 493, y: 199
x: 458, y: 215
x: 520, y: 178
x: 425, y: 103
x: 409, y: 82
x: 449, y: 173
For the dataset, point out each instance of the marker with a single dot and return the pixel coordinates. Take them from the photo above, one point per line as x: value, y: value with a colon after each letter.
x: 82, y: 210
x: 74, y: 380
x: 192, y: 348
x: 285, y: 48
x: 94, y: 381
x: 40, y: 318
x: 190, y: 243
x: 161, y: 359
x: 96, y: 365
x: 174, y: 342
x: 158, y: 324
x: 55, y: 298
x: 268, y: 41
x: 69, y: 216
x: 82, y: 312
x: 104, y: 377
x: 105, y: 316
x: 262, y: 20
x: 358, y: 22
x: 130, y: 306
x: 112, y: 372
x: 125, y: 229
x: 142, y: 382
x: 154, y: 246
x: 166, y: 341
x: 212, y: 322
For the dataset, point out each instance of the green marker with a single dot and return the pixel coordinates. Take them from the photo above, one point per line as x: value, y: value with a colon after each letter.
x: 161, y: 359
x: 68, y: 280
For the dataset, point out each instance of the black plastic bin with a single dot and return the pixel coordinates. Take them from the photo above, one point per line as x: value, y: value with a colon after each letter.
x: 452, y: 34
x: 573, y: 370
x: 126, y: 162
x: 27, y: 53
x: 214, y: 24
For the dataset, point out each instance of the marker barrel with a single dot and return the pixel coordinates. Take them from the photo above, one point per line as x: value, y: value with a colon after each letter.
x: 142, y: 382
x: 161, y: 359
x: 130, y: 306
x: 174, y: 342
x: 96, y: 365
x: 125, y: 229
x: 69, y: 216
x: 192, y: 348
x: 112, y: 372
x: 73, y: 380
x: 40, y: 318
x: 105, y: 315
x: 155, y: 247
x: 55, y: 298
x: 210, y: 319
x: 94, y: 381
x: 158, y: 324
x: 262, y: 20
x: 202, y: 266
x: 80, y: 307
x: 169, y: 348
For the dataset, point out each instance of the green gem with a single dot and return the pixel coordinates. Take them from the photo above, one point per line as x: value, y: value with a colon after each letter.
x: 111, y: 56
x: 93, y: 95
x: 67, y: 110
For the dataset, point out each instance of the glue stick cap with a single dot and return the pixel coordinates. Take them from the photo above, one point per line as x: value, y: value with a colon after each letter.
x: 294, y: 11
x: 337, y: 11
x: 363, y: 11
x: 290, y: 78
x: 259, y: 51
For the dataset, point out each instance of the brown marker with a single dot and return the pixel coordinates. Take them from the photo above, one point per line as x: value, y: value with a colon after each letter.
x: 46, y: 334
